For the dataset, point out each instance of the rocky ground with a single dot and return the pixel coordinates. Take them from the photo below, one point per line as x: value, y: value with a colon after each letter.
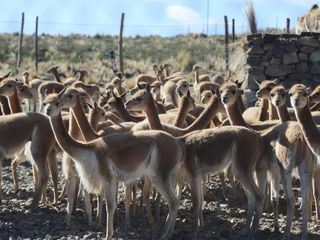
x: 223, y: 219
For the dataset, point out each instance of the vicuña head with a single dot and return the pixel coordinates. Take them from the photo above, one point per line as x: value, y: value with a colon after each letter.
x: 140, y: 100
x: 117, y: 82
x: 111, y: 104
x: 299, y: 95
x: 8, y: 86
x: 52, y: 104
x: 53, y: 69
x: 206, y: 96
x: 24, y: 91
x: 187, y: 100
x: 183, y: 86
x: 314, y: 97
x: 229, y: 93
x: 69, y: 96
x: 265, y: 88
x: 278, y: 96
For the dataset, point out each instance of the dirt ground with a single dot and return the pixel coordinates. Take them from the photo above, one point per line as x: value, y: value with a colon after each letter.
x: 223, y: 219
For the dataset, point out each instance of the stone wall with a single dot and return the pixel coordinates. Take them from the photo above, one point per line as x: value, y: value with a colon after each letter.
x: 289, y: 57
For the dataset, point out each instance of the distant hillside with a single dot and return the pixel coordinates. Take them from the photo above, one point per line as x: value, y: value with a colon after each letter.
x: 139, y: 53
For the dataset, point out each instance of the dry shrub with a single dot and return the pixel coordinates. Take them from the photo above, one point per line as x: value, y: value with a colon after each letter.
x: 251, y: 17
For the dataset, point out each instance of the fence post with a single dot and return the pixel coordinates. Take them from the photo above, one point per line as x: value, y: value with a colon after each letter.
x: 36, y: 46
x: 226, y: 43
x: 20, y: 43
x: 288, y: 25
x: 120, y: 44
x: 233, y: 30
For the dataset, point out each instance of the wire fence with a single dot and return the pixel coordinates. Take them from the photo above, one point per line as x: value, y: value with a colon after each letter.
x: 65, y: 28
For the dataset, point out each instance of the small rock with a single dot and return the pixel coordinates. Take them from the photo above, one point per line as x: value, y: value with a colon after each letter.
x: 315, y: 56
x: 268, y: 46
x: 278, y: 51
x: 303, y: 57
x: 291, y: 48
x: 290, y: 58
x: 315, y: 68
x: 278, y: 70
x: 275, y: 61
x: 300, y: 76
x: 307, y: 50
x: 302, y: 67
x: 254, y: 60
x: 309, y: 42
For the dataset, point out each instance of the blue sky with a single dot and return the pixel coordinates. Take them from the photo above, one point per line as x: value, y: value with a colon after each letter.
x: 143, y: 17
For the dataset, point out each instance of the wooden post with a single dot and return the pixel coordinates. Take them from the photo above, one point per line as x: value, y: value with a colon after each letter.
x: 120, y: 44
x: 288, y: 25
x: 36, y: 46
x: 20, y: 43
x: 226, y: 43
x: 233, y: 31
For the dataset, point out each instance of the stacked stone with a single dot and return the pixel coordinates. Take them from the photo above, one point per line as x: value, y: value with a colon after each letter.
x: 288, y: 57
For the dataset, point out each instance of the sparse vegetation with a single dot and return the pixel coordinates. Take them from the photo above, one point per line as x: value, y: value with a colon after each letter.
x: 90, y: 52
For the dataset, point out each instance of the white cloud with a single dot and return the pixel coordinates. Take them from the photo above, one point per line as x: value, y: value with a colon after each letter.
x: 183, y: 14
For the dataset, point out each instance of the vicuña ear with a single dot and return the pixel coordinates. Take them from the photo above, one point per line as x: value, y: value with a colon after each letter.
x: 5, y: 76
x: 139, y: 86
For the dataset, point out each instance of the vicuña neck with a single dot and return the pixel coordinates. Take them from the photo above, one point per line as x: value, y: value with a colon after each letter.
x: 196, y: 77
x: 124, y: 114
x: 241, y: 106
x: 56, y: 76
x: 309, y: 128
x: 152, y: 115
x: 14, y: 103
x: 182, y: 113
x: 283, y: 113
x: 74, y: 129
x: 81, y: 76
x: 158, y: 97
x: 273, y: 115
x: 83, y: 123
x: 74, y: 149
x: 263, y: 110
x: 206, y: 116
x: 120, y: 90
x: 93, y: 119
x: 166, y: 72
x: 174, y: 98
x: 235, y: 115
